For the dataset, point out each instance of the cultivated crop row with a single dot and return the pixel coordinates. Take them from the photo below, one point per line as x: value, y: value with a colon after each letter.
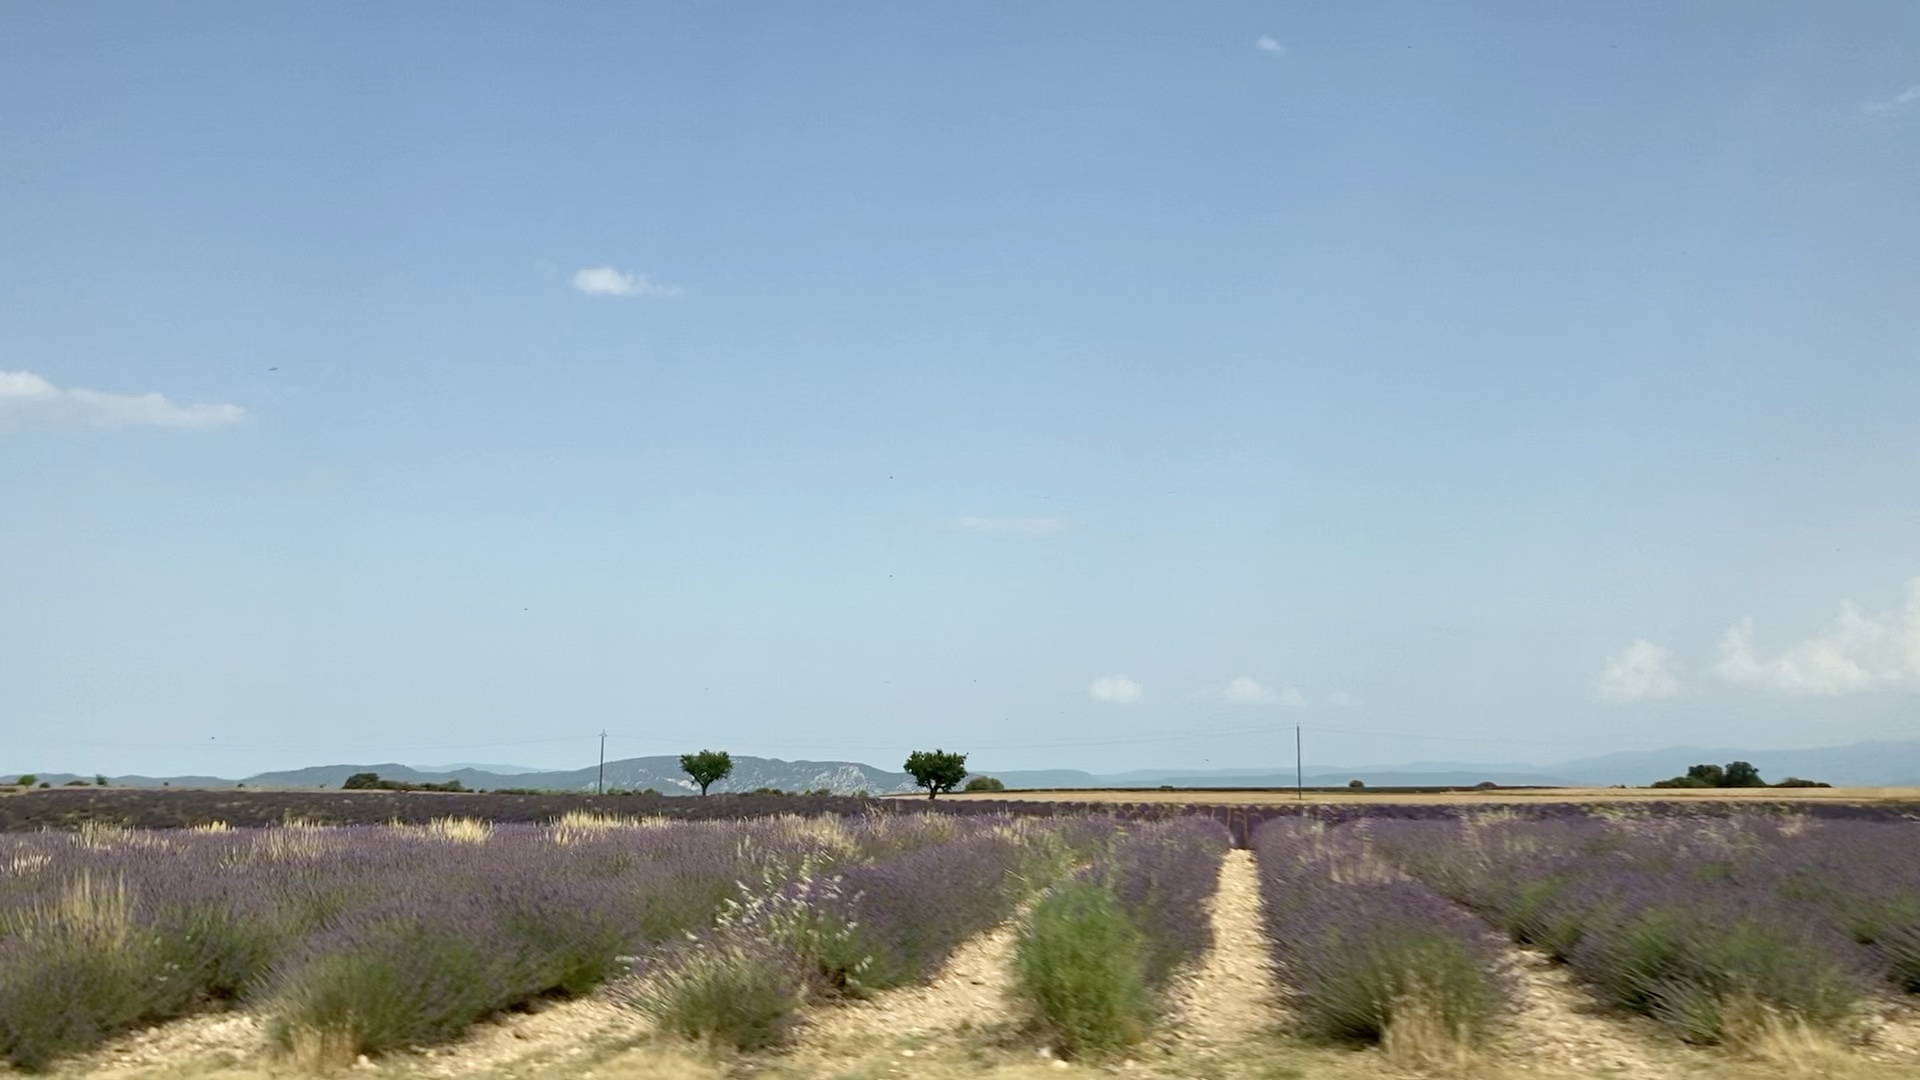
x: 1710, y: 926
x: 1095, y: 955
x: 1366, y: 953
x: 362, y: 939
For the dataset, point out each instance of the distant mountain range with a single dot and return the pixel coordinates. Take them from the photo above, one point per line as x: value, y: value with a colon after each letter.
x: 1869, y: 764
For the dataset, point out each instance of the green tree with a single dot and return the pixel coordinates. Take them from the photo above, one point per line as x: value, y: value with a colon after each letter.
x: 937, y: 770
x: 984, y: 783
x: 363, y: 781
x: 706, y: 767
x: 1741, y: 774
x: 27, y: 780
x: 1708, y: 775
x: 99, y: 780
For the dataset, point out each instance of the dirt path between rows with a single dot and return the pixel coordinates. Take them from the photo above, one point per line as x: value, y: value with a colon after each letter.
x: 1229, y: 996
x: 971, y: 992
x: 236, y: 1043
x: 1557, y: 1029
x: 204, y: 1043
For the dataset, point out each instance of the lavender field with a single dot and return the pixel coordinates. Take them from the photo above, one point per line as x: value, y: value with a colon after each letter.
x: 1089, y: 938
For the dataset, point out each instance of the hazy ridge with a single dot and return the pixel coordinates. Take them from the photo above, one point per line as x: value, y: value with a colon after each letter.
x: 1867, y: 764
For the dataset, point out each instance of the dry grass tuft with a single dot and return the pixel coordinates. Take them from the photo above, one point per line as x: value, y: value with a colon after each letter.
x: 321, y: 1050
x: 827, y: 833
x: 459, y: 830
x: 297, y: 839
x: 106, y: 836
x: 578, y: 826
x: 1418, y: 1039
x: 96, y: 913
x: 1760, y: 1033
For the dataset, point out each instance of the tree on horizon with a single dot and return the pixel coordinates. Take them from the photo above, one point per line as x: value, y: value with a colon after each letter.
x: 706, y: 767
x: 936, y: 770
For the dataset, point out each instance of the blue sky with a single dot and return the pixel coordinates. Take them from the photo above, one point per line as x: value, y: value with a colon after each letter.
x: 1099, y: 385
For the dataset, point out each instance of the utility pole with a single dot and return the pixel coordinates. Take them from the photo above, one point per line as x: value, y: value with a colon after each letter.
x: 1299, y: 777
x: 600, y: 782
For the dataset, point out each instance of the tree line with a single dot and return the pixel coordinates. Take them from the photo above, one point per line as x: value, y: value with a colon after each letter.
x: 938, y: 771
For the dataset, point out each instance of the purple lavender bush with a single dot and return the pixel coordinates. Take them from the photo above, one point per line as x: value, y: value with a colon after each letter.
x: 364, y: 938
x: 1360, y: 946
x: 1094, y: 955
x: 1689, y: 921
x: 1163, y: 876
x: 842, y: 928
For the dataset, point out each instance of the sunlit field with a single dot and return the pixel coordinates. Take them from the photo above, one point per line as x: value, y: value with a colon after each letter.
x: 1498, y: 942
x: 1499, y: 796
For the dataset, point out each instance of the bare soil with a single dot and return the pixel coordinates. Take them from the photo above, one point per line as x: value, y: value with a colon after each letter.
x: 1229, y: 996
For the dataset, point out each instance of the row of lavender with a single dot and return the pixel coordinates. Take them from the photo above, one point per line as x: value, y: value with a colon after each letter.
x: 1714, y: 926
x: 362, y: 939
x: 1094, y: 957
x: 837, y: 932
x: 1705, y: 925
x: 1365, y: 953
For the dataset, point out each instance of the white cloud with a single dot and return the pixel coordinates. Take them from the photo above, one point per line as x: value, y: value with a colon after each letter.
x: 27, y: 398
x: 1245, y: 691
x: 1031, y: 526
x: 1115, y: 690
x: 1269, y: 44
x: 1639, y: 672
x: 607, y: 281
x: 1858, y: 652
x: 1903, y: 99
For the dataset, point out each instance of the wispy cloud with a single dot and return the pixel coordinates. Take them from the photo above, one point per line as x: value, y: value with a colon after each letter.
x: 1857, y: 652
x: 608, y: 281
x: 1031, y: 526
x: 1115, y: 690
x: 29, y: 399
x: 1640, y: 672
x: 1269, y: 44
x: 1247, y: 691
x: 1898, y: 102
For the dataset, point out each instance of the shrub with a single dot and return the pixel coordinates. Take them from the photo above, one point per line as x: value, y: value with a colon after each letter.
x: 27, y: 780
x: 72, y: 971
x: 1080, y: 965
x: 1163, y: 875
x: 402, y: 984
x: 1689, y: 968
x: 909, y: 912
x: 1356, y: 783
x: 1362, y: 949
x: 984, y: 783
x: 1690, y: 925
x: 746, y: 995
x: 1095, y: 953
